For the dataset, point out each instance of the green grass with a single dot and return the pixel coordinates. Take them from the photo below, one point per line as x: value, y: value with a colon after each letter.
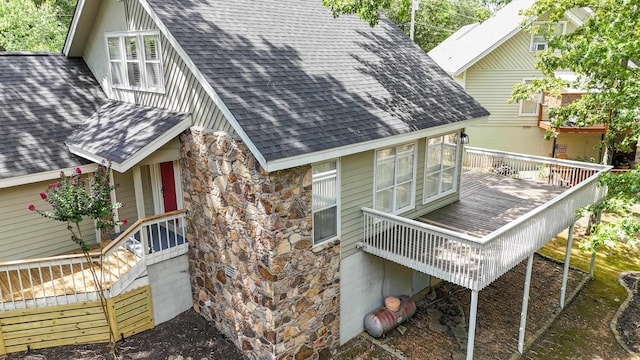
x: 583, y: 332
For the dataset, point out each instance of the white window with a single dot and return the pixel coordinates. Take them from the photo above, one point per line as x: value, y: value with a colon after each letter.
x: 542, y: 32
x: 395, y: 178
x: 531, y: 105
x: 441, y: 166
x: 134, y: 61
x: 325, y: 201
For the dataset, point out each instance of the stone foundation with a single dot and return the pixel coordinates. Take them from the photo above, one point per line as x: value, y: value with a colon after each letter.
x: 254, y: 271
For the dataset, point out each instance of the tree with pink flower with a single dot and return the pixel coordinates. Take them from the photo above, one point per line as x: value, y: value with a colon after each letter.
x: 76, y: 198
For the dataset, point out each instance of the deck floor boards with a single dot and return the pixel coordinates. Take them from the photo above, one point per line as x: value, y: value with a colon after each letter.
x: 62, y: 280
x: 489, y: 201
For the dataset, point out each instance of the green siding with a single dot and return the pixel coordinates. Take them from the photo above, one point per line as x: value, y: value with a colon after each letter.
x: 357, y: 192
x: 25, y: 235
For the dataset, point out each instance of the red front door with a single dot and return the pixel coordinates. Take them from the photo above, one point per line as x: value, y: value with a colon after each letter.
x: 168, y: 186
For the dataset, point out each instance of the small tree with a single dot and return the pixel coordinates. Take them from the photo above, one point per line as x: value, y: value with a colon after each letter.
x: 74, y: 200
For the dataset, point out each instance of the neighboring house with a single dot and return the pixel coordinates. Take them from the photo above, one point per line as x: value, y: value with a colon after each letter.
x: 319, y: 161
x: 488, y: 59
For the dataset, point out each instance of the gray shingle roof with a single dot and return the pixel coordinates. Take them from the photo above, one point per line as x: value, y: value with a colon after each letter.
x: 118, y: 131
x: 43, y: 98
x: 299, y: 81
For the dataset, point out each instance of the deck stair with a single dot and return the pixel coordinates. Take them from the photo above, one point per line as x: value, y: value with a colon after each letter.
x: 67, y: 278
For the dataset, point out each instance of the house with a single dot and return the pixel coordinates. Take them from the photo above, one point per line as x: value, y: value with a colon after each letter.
x: 314, y: 164
x: 489, y: 58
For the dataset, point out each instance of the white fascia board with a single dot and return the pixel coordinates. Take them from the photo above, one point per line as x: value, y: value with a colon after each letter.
x: 73, y: 27
x: 140, y: 155
x: 573, y: 18
x: 205, y: 84
x: 335, y: 153
x: 488, y: 50
x: 42, y: 176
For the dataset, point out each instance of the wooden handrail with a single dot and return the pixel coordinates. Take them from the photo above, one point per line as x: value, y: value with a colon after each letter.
x: 113, y: 243
x: 134, y: 226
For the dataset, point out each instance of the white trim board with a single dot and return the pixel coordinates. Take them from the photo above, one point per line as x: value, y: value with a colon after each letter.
x: 45, y: 175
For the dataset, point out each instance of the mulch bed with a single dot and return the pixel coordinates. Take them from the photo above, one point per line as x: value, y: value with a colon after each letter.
x: 187, y: 335
x: 628, y: 322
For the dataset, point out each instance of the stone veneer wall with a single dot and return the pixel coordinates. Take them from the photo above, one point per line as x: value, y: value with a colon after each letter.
x: 254, y: 271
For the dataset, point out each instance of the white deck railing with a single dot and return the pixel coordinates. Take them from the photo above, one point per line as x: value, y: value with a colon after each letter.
x: 67, y: 278
x: 540, y: 169
x: 475, y: 262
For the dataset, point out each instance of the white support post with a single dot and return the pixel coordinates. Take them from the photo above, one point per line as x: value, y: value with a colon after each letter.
x: 137, y: 186
x: 565, y: 273
x: 525, y: 305
x: 114, y: 199
x: 473, y: 312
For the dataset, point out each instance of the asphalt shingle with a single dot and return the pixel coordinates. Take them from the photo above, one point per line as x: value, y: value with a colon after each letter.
x: 43, y: 98
x: 294, y: 76
x: 118, y: 130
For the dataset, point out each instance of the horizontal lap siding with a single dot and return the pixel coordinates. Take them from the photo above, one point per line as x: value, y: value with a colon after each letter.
x: 24, y: 234
x: 357, y: 174
x: 491, y: 80
x: 125, y: 195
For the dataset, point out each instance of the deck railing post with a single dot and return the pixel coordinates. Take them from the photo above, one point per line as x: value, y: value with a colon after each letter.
x: 525, y: 305
x: 565, y: 273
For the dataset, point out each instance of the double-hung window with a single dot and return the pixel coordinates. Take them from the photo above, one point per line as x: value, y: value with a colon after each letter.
x: 531, y: 105
x: 325, y: 201
x: 541, y: 33
x: 135, y: 62
x: 440, y: 168
x: 395, y: 178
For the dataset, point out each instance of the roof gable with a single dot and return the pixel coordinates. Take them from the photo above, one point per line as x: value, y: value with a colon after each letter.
x: 43, y: 98
x: 123, y: 134
x: 471, y: 43
x: 296, y: 81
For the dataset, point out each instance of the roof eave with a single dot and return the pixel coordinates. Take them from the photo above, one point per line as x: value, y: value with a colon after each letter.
x: 85, y: 11
x: 140, y: 155
x: 310, y: 158
x: 45, y: 175
x: 488, y: 50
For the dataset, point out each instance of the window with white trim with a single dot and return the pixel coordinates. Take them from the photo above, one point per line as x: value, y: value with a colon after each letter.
x: 325, y: 201
x: 395, y: 178
x: 531, y: 105
x: 542, y: 32
x: 440, y: 167
x: 135, y: 62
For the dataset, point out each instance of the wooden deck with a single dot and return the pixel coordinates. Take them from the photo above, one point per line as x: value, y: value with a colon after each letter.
x: 65, y: 279
x: 490, y: 201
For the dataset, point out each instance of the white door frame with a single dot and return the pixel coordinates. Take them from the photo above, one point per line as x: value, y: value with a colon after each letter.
x: 156, y: 186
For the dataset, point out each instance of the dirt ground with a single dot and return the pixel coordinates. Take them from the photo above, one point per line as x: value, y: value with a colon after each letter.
x: 187, y: 335
x: 498, y: 319
x: 190, y: 335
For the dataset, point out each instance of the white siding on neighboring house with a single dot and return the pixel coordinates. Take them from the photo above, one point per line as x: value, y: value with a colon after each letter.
x: 182, y: 91
x: 25, y: 234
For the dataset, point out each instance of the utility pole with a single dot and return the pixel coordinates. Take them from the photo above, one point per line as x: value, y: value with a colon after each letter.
x: 414, y: 7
